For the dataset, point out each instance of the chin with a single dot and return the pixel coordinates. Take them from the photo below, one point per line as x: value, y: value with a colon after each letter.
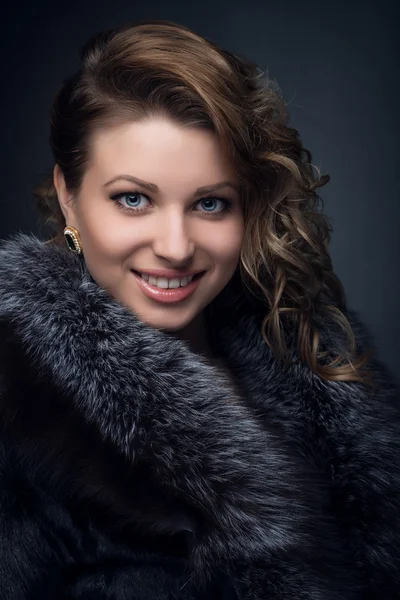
x: 171, y: 325
x: 168, y: 323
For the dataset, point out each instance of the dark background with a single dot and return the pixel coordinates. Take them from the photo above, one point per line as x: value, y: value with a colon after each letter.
x: 337, y: 64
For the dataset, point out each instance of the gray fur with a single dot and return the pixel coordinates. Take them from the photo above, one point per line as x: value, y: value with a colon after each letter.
x: 272, y: 472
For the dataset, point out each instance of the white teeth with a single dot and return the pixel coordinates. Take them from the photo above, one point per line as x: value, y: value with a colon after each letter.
x: 174, y: 283
x: 164, y: 283
x: 161, y: 282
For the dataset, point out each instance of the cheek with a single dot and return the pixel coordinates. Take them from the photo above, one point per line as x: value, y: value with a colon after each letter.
x: 103, y: 233
x: 226, y: 245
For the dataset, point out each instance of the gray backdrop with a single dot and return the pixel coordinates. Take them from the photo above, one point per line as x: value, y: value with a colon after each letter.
x: 337, y: 64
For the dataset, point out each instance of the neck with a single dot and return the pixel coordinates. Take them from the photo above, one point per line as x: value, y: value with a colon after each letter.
x: 195, y: 334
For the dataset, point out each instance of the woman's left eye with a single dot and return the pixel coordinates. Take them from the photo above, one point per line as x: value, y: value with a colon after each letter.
x: 209, y: 203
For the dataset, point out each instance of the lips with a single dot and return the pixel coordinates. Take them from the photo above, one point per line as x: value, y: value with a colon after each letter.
x: 170, y: 295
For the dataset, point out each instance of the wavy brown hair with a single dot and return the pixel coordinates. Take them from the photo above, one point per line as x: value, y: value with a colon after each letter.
x: 158, y: 67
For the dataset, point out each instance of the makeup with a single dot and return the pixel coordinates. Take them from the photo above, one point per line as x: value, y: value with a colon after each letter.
x: 170, y: 295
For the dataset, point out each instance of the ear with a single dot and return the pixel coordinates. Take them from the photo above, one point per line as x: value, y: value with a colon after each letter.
x: 65, y: 198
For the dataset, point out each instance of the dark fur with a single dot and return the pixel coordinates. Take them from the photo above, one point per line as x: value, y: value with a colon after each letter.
x: 131, y: 469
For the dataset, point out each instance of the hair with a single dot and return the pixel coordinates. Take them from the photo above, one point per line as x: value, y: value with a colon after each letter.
x: 160, y: 68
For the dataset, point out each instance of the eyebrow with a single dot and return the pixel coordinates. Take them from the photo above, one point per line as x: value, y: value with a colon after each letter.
x: 152, y: 187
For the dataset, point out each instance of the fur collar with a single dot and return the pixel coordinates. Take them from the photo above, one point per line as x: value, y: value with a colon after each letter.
x: 157, y: 402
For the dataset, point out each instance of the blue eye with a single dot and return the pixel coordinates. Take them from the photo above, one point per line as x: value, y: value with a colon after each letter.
x: 133, y: 206
x: 212, y: 201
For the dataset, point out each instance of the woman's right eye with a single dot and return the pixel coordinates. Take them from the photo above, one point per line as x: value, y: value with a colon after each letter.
x: 132, y: 203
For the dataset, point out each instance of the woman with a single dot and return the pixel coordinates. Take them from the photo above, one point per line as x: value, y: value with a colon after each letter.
x: 182, y: 414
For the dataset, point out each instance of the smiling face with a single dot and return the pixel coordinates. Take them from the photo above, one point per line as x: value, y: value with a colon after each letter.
x: 125, y: 226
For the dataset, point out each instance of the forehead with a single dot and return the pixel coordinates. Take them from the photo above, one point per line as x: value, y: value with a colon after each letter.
x: 159, y: 147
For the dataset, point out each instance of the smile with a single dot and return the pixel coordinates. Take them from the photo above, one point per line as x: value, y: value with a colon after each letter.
x: 166, y: 290
x: 166, y: 283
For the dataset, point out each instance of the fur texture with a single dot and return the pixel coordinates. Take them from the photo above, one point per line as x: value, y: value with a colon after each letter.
x: 130, y: 468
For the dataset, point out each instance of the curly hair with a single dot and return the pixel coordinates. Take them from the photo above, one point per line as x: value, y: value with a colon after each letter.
x: 158, y: 67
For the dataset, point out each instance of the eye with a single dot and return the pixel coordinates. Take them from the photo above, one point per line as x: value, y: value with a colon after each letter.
x: 209, y: 204
x: 132, y: 203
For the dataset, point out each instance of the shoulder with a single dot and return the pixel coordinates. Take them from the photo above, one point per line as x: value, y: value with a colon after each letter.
x: 380, y: 397
x: 29, y: 266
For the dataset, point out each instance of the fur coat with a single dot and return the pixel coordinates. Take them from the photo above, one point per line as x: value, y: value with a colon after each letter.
x: 131, y: 468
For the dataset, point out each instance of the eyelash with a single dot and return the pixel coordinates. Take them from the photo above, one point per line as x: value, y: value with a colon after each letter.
x: 116, y: 197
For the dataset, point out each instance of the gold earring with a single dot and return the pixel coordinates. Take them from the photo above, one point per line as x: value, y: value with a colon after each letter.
x: 73, y: 239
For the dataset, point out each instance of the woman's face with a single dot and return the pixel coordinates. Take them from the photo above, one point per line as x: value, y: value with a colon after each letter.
x: 172, y: 227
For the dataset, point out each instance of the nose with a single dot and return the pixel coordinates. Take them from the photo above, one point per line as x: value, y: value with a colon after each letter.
x: 172, y: 240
